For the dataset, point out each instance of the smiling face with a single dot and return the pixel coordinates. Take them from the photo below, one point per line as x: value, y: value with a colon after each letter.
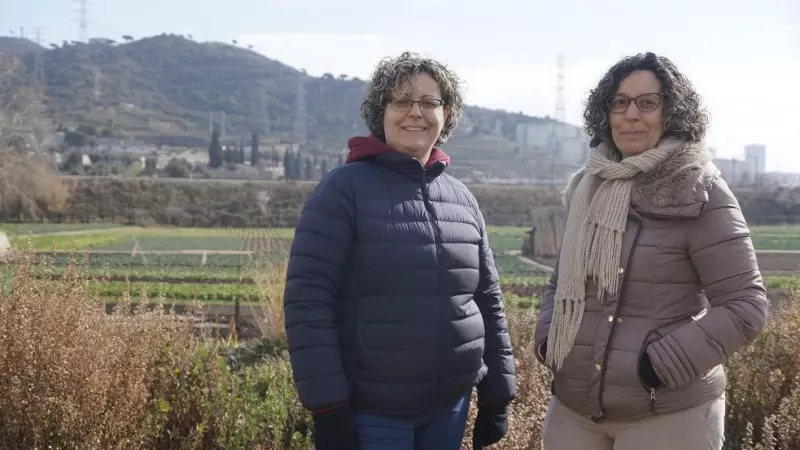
x: 639, y: 127
x: 414, y: 117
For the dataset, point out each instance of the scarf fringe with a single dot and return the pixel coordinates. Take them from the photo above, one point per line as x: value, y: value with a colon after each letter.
x: 559, y: 345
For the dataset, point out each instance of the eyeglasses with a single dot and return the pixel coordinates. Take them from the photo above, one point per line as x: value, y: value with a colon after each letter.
x: 645, y: 102
x: 405, y: 104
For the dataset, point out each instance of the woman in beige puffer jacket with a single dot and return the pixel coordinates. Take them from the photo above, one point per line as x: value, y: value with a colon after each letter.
x: 657, y: 282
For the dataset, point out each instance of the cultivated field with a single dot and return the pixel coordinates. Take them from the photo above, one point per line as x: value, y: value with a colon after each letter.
x: 219, y: 266
x: 213, y: 265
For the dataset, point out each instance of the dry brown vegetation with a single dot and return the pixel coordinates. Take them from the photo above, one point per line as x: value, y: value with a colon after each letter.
x: 30, y: 189
x: 76, y: 377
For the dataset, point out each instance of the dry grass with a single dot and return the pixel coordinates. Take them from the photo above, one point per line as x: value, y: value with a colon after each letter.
x: 533, y: 391
x: 268, y: 271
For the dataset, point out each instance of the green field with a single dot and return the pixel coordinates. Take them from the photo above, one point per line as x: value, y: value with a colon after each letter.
x: 222, y: 265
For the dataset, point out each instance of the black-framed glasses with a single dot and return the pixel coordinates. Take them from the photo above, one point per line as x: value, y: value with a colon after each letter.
x: 645, y: 102
x: 405, y: 104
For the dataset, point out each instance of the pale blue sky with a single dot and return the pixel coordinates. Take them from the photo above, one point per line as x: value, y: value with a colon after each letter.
x: 743, y: 56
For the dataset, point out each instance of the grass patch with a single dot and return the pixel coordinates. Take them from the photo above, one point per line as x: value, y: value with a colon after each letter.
x: 766, y: 241
x: 503, y: 239
x: 510, y: 266
x: 66, y: 242
x: 36, y: 228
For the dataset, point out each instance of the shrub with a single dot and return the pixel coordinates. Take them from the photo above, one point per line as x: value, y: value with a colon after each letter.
x: 74, y: 376
x: 763, y: 394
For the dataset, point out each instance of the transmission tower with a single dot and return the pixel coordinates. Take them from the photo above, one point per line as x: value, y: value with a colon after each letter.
x: 556, y: 134
x: 82, y: 20
x: 560, y: 89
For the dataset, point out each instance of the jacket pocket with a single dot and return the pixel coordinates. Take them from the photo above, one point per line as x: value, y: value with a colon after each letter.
x: 650, y: 337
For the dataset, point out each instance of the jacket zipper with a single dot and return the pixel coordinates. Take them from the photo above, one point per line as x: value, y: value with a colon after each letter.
x: 614, y: 323
x: 437, y: 244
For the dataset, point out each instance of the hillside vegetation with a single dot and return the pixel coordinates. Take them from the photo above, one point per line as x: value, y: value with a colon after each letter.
x: 163, y: 89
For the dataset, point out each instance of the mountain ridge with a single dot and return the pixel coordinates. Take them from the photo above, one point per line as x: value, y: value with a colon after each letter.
x: 169, y: 86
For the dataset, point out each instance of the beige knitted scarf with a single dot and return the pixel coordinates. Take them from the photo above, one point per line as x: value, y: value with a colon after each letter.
x: 596, y: 220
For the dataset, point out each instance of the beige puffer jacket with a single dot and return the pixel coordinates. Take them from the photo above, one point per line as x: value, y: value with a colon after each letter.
x: 692, y: 295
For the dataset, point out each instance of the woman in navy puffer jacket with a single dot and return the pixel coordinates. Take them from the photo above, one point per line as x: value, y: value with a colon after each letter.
x: 393, y: 308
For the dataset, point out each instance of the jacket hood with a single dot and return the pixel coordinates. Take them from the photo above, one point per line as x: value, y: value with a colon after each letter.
x: 363, y: 147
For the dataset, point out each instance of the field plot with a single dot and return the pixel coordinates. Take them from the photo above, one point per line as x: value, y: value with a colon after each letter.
x: 506, y: 239
x: 145, y: 243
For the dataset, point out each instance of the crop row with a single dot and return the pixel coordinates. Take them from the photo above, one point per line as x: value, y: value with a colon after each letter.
x: 153, y: 261
x: 179, y: 292
x: 222, y: 232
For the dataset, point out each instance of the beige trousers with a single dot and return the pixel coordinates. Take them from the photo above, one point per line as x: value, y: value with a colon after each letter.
x: 700, y: 428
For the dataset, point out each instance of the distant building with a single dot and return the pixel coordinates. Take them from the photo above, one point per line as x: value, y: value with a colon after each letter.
x: 735, y: 171
x: 755, y: 155
x: 568, y: 141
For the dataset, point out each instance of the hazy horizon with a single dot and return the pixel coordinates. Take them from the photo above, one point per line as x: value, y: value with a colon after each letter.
x: 743, y: 58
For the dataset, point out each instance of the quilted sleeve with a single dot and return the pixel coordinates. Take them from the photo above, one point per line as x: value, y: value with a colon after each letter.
x: 725, y: 260
x: 499, y: 384
x: 317, y: 264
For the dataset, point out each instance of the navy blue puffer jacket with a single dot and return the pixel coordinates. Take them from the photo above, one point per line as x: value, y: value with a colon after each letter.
x: 392, y: 300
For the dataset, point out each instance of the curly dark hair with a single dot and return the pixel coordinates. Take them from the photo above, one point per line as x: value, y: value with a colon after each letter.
x: 393, y: 73
x: 683, y: 115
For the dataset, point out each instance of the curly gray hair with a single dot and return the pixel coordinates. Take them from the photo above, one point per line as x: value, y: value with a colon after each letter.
x: 392, y: 74
x: 683, y: 116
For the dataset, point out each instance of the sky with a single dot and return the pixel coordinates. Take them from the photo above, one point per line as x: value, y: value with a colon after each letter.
x: 743, y: 56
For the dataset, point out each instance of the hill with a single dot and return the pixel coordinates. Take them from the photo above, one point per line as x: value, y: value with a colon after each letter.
x: 18, y: 46
x: 166, y: 88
